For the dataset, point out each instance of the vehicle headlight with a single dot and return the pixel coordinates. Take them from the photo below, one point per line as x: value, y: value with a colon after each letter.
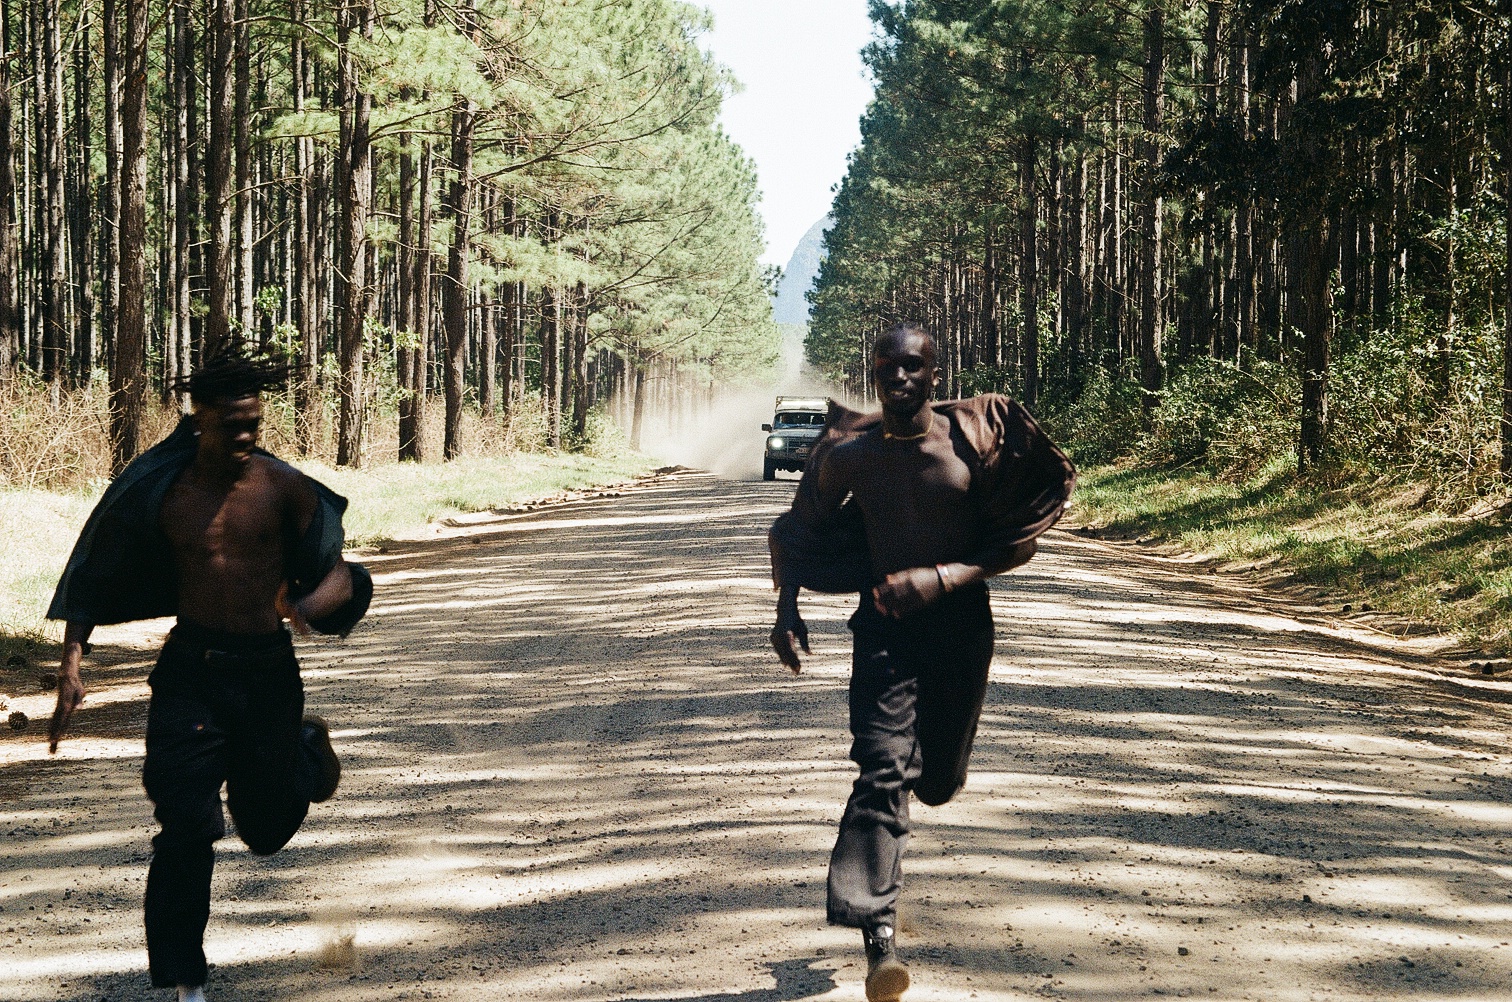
x: 776, y: 442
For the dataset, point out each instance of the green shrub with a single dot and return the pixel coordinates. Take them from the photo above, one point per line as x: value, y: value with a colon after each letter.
x: 1101, y: 423
x: 1413, y: 404
x: 1228, y: 419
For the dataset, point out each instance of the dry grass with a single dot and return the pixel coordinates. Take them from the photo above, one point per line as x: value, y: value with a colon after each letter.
x: 55, y: 461
x: 37, y: 531
x: 62, y: 444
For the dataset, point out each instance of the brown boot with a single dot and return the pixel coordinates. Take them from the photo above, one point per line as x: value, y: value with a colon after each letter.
x: 886, y: 975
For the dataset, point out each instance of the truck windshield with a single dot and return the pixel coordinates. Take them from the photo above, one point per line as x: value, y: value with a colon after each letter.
x: 798, y: 419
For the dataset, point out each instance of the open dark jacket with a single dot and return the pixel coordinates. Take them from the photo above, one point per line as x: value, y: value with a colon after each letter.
x: 1020, y: 480
x: 122, y: 567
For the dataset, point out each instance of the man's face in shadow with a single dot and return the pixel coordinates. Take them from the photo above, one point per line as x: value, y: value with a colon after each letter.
x: 228, y: 430
x: 904, y: 372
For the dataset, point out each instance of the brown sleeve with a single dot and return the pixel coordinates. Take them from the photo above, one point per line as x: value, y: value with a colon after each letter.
x: 818, y: 549
x: 1025, y: 480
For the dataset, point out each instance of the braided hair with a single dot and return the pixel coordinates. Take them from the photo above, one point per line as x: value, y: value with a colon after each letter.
x: 233, y: 373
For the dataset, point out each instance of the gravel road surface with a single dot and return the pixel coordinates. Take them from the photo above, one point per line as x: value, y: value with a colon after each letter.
x: 575, y: 773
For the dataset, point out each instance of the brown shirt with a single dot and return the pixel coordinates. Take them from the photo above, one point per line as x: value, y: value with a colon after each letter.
x: 909, y: 504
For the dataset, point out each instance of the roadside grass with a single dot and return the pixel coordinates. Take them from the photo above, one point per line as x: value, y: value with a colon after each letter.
x: 399, y: 498
x: 37, y: 531
x: 38, y: 528
x: 1371, y: 548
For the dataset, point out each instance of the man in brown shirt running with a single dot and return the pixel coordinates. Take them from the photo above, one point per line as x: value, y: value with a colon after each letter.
x: 234, y: 542
x: 915, y: 511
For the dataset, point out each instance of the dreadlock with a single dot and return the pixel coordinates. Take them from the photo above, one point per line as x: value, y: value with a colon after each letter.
x: 233, y: 373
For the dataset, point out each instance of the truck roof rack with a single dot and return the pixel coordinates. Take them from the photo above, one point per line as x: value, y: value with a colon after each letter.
x: 803, y: 403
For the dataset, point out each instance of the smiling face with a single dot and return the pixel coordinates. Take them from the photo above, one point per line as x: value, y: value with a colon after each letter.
x: 903, y: 370
x: 228, y: 430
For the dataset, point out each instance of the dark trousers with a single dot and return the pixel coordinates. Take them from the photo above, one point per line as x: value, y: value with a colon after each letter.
x: 916, y: 693
x: 225, y: 709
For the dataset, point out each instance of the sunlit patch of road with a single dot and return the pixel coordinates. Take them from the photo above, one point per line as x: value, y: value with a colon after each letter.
x: 575, y: 773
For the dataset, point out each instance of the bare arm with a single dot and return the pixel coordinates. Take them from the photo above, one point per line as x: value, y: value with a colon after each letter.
x: 70, y: 685
x: 335, y: 589
x: 333, y: 592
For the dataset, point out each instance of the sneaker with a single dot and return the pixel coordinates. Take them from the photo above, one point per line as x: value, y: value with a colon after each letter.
x: 886, y: 975
x: 316, y: 735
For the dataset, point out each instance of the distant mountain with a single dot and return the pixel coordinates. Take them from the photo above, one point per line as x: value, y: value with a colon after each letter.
x: 789, y: 306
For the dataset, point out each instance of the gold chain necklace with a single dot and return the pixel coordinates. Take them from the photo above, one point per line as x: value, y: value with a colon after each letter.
x: 904, y: 438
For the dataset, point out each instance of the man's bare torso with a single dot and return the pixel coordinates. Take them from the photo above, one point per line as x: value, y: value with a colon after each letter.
x: 230, y: 540
x: 914, y: 496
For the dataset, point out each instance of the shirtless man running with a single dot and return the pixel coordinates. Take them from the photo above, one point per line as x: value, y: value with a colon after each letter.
x: 914, y: 510
x: 207, y: 527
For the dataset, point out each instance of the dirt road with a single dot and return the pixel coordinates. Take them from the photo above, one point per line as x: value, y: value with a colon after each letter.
x: 575, y: 773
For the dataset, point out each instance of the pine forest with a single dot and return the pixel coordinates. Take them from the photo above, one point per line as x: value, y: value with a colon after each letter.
x: 506, y: 211
x: 1245, y: 235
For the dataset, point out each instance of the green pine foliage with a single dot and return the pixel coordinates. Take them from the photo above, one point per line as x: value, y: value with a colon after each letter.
x: 1222, y: 236
x: 611, y: 227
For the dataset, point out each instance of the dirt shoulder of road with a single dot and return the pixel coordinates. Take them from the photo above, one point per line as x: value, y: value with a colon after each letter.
x: 1381, y: 557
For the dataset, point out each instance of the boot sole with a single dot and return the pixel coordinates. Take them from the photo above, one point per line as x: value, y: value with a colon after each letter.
x: 887, y: 985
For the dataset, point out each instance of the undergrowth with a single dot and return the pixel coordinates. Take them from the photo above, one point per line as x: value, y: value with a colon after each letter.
x: 1407, y: 516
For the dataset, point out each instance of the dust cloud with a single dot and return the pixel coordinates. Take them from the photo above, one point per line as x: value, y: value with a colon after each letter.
x: 725, y: 437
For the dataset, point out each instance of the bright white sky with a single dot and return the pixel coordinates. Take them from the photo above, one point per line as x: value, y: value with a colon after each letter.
x: 799, y: 115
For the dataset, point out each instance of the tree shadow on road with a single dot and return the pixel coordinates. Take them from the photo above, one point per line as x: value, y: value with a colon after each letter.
x: 575, y: 773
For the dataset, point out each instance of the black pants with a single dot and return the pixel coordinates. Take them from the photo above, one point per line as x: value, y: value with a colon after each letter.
x: 916, y: 693
x: 225, y: 709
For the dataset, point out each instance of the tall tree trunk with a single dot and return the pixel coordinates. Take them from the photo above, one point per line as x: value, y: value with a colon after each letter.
x: 1381, y: 255
x: 1029, y: 274
x: 306, y: 269
x: 183, y: 183
x: 1151, y: 369
x: 354, y: 195
x: 420, y: 388
x: 220, y: 182
x: 405, y: 264
x: 457, y: 205
x: 128, y: 384
x: 168, y: 191
x: 50, y: 118
x: 1313, y: 243
x: 551, y: 362
x: 242, y: 143
x: 638, y: 410
x: 1076, y: 262
x: 1506, y: 419
x: 80, y: 217
x: 1118, y: 204
x: 992, y: 344
x: 485, y: 330
x: 10, y: 319
x: 508, y: 312
x: 581, y: 389
x: 1316, y: 314
x: 454, y: 293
